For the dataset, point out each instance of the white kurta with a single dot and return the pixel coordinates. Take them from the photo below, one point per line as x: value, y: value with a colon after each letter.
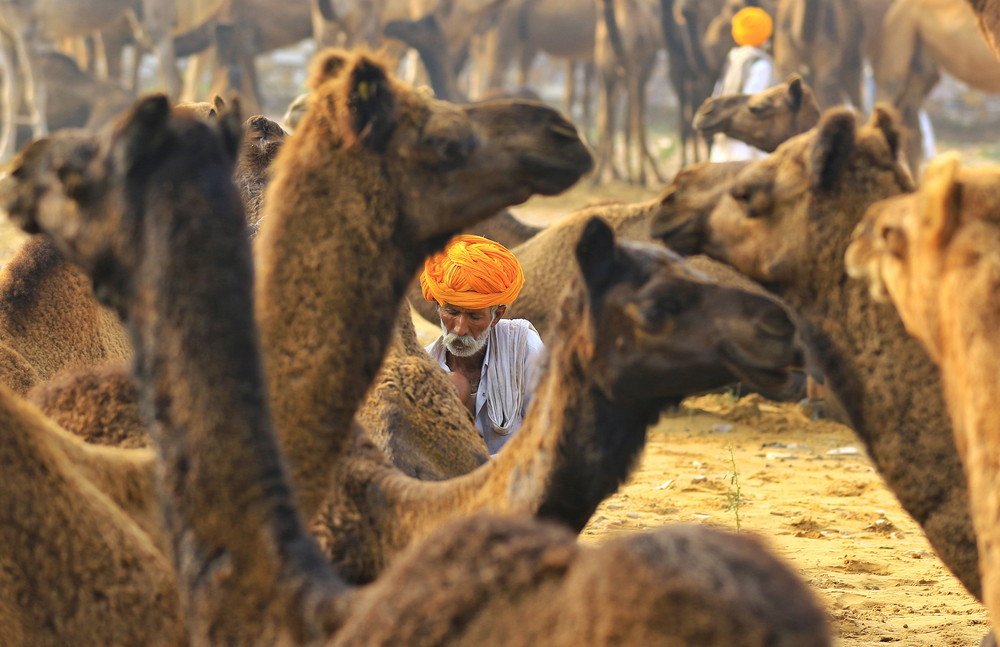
x: 501, y: 341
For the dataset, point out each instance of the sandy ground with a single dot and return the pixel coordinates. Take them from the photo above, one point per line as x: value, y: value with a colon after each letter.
x: 805, y: 486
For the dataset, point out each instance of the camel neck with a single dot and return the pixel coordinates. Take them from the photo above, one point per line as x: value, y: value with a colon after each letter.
x: 189, y: 313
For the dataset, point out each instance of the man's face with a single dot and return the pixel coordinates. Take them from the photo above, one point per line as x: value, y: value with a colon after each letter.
x: 466, y: 331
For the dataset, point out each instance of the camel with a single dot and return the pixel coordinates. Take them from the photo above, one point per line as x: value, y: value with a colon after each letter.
x: 97, y: 404
x: 49, y: 319
x: 693, y: 72
x: 933, y: 253
x: 821, y: 40
x: 257, y: 577
x: 765, y: 119
x: 414, y: 418
x: 30, y: 29
x: 262, y: 138
x: 627, y: 42
x: 988, y: 16
x: 786, y: 223
x: 918, y: 37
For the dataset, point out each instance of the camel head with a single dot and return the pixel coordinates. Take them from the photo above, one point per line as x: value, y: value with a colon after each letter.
x: 447, y: 166
x: 664, y: 330
x: 765, y: 119
x: 917, y: 249
x: 786, y: 220
x: 690, y: 196
x: 87, y: 192
x: 262, y: 138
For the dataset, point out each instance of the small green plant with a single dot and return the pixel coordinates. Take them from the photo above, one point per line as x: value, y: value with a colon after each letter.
x: 733, y: 490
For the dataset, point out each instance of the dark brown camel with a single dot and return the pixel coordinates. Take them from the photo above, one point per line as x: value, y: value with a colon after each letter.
x: 786, y: 223
x: 247, y: 571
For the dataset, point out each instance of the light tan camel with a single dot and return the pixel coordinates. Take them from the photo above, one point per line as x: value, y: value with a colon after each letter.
x: 765, y: 119
x: 918, y: 37
x: 821, y: 40
x: 988, y: 16
x: 786, y: 223
x: 257, y: 578
x: 934, y: 254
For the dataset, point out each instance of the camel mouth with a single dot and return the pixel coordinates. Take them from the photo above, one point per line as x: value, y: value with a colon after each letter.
x: 711, y: 120
x: 547, y: 177
x: 684, y: 237
x: 761, y: 374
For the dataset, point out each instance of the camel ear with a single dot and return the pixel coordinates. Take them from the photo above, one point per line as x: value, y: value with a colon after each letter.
x: 144, y: 129
x: 595, y: 253
x: 795, y: 92
x: 326, y: 65
x: 832, y: 149
x: 371, y: 103
x: 942, y: 195
x: 885, y: 119
x: 230, y: 125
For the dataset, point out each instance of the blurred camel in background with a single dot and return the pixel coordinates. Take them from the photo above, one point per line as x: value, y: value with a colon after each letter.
x: 918, y: 38
x: 821, y: 40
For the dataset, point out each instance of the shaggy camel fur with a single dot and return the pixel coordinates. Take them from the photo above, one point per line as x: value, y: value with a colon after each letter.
x: 49, y: 320
x: 765, y: 119
x: 822, y: 40
x: 414, y: 170
x: 262, y: 138
x: 934, y: 253
x: 246, y: 570
x: 415, y: 417
x: 786, y: 223
x: 99, y: 405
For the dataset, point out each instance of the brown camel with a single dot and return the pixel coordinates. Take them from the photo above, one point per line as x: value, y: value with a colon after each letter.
x: 934, y: 253
x: 262, y: 138
x: 246, y: 570
x: 918, y: 37
x: 99, y: 405
x: 821, y: 40
x: 786, y: 223
x: 469, y: 162
x: 627, y: 42
x: 765, y: 119
x: 49, y: 318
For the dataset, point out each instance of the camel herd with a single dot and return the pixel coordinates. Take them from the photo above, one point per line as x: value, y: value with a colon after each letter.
x: 280, y: 462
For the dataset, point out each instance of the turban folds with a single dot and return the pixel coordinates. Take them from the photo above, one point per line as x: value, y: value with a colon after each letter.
x: 752, y: 26
x: 472, y: 272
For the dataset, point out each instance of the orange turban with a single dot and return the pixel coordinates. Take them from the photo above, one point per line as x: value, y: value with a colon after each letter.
x: 472, y: 272
x: 752, y: 26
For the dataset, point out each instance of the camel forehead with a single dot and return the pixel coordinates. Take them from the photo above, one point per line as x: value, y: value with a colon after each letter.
x: 660, y: 259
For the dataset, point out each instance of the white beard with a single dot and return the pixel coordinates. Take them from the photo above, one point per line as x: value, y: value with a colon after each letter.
x: 464, y: 345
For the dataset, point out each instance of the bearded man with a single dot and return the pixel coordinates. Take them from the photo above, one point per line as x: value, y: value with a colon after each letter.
x: 493, y: 362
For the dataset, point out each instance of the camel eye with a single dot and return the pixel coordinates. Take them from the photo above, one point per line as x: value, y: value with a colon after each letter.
x: 450, y: 153
x: 759, y: 110
x: 661, y: 310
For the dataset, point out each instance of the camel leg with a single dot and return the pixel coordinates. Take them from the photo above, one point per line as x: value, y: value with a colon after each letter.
x: 11, y: 80
x: 34, y: 89
x: 646, y: 156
